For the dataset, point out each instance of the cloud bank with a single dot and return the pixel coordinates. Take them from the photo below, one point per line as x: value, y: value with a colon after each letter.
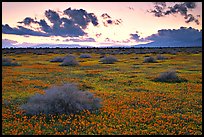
x: 182, y: 34
x: 173, y: 37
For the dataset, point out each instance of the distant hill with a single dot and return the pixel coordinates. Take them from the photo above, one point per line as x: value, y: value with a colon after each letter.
x: 195, y: 43
x: 58, y: 45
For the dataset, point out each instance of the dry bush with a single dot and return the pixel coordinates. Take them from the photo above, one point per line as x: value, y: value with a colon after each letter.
x: 109, y: 60
x: 69, y: 61
x: 169, y: 76
x: 64, y: 99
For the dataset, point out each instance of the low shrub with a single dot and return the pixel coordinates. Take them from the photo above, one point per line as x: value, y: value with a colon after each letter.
x: 69, y: 61
x: 64, y: 99
x: 169, y: 76
x: 109, y: 60
x: 57, y: 59
x: 8, y: 62
x: 149, y: 60
x: 85, y: 56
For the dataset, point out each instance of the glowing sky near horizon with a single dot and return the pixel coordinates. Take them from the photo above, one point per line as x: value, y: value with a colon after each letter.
x: 134, y: 16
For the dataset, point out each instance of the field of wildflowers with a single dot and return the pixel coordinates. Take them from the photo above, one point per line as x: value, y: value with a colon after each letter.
x: 131, y: 101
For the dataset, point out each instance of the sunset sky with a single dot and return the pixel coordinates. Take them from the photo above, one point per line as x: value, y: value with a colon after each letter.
x: 97, y: 24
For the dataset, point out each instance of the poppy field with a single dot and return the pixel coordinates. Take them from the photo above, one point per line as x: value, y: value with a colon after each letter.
x: 132, y: 102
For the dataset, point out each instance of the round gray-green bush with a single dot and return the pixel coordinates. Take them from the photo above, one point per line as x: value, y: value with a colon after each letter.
x: 65, y: 99
x: 109, y: 60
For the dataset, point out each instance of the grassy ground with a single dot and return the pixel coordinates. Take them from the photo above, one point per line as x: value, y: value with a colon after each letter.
x: 132, y: 102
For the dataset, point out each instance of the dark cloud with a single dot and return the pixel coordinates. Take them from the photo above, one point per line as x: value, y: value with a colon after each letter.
x: 26, y: 31
x: 190, y: 5
x: 108, y: 21
x: 182, y: 34
x: 94, y: 19
x: 71, y: 26
x: 6, y: 29
x: 112, y: 22
x: 81, y: 17
x: 62, y: 26
x: 67, y: 29
x: 44, y: 26
x: 182, y: 37
x: 191, y: 18
x: 105, y: 16
x: 64, y: 31
x: 175, y: 37
x: 27, y: 21
x: 161, y: 9
x: 135, y: 36
x: 118, y: 21
x: 53, y: 17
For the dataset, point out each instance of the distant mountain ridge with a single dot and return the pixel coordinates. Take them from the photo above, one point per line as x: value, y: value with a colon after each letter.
x: 58, y: 45
x: 195, y: 43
